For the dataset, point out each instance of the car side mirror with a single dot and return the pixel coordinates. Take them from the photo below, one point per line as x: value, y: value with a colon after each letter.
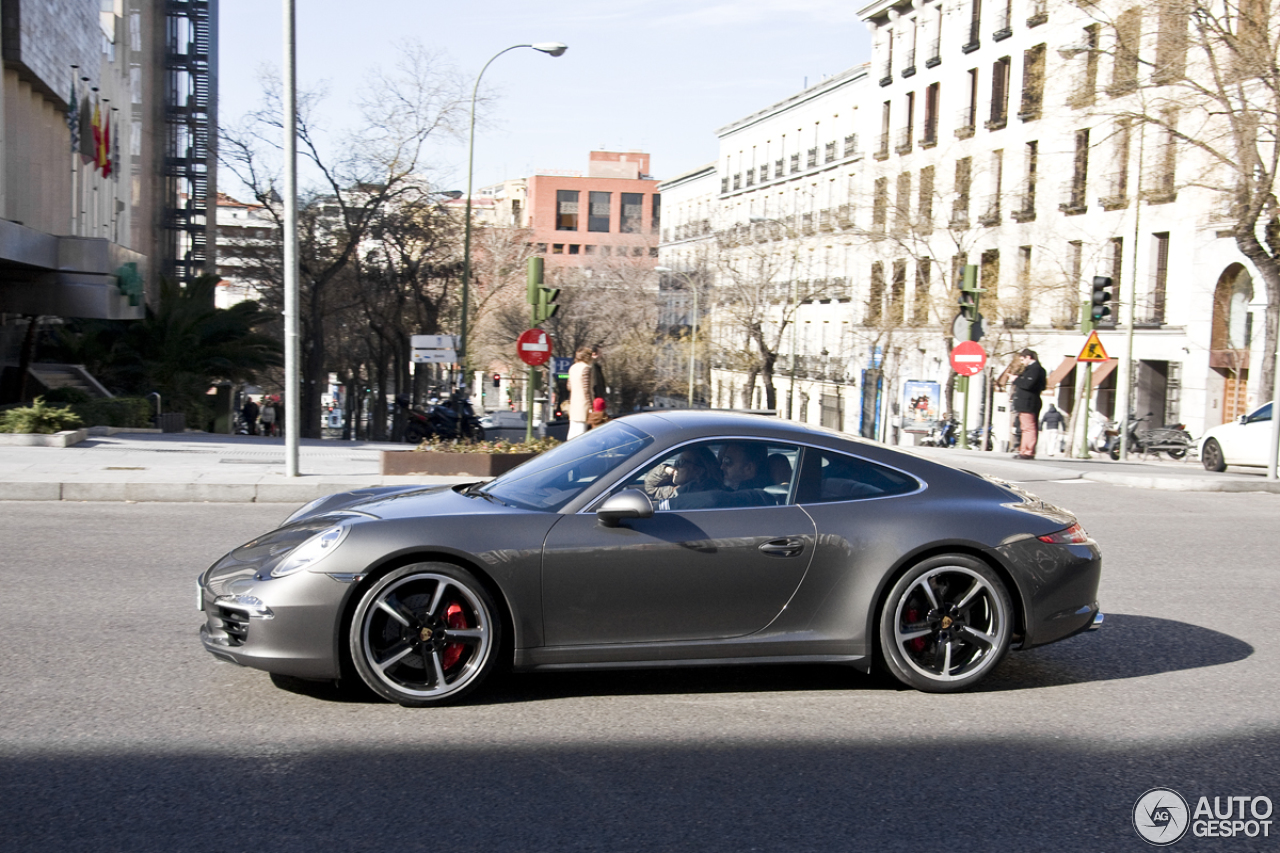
x: 1242, y: 420
x: 629, y: 503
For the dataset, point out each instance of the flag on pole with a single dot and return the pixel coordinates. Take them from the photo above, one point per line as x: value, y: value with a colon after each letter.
x: 73, y: 116
x: 97, y: 133
x: 86, y: 130
x: 106, y: 146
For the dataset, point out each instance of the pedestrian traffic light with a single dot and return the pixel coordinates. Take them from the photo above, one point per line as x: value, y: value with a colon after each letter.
x: 1099, y: 310
x: 497, y: 380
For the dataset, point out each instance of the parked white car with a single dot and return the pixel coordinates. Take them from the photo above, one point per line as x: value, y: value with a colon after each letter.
x: 1243, y: 441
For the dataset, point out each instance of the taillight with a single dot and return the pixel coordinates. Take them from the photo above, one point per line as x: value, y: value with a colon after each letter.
x: 1073, y: 535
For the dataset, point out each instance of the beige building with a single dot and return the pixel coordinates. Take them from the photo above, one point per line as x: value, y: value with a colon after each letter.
x: 107, y: 116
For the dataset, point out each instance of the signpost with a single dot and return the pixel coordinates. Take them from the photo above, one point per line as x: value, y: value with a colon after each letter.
x: 534, y: 347
x: 967, y: 359
x: 433, y: 349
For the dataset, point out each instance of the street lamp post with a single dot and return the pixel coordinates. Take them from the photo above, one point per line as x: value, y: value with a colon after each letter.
x: 551, y: 48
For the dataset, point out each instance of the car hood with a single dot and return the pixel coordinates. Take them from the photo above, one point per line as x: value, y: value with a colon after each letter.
x: 390, y: 502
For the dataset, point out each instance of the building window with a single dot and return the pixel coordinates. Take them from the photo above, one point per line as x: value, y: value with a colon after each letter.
x: 1032, y: 83
x: 880, y: 204
x: 999, y: 94
x: 902, y: 204
x: 1074, y: 201
x: 795, y: 163
x: 969, y: 115
x: 875, y: 298
x: 812, y: 159
x: 655, y: 213
x: 975, y: 26
x: 598, y: 215
x: 1151, y: 310
x: 606, y: 251
x: 930, y: 136
x: 924, y: 216
x: 777, y: 168
x: 1163, y: 189
x: 1124, y: 66
x: 886, y: 110
x: 1018, y: 313
x: 908, y: 129
x: 1116, y: 273
x: 751, y: 177
x: 964, y: 181
x: 897, y: 293
x: 633, y: 210
x: 1171, y: 42
x: 542, y: 248
x: 989, y: 281
x: 1025, y: 210
x: 920, y: 305
x: 557, y: 248
x: 588, y: 250
x: 1087, y: 85
x: 574, y: 248
x: 991, y: 211
x: 566, y: 210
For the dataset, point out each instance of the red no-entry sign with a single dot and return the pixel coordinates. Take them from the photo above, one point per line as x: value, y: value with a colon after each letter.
x: 968, y: 358
x: 534, y: 347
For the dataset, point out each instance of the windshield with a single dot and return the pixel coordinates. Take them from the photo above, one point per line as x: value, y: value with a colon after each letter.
x: 550, y: 481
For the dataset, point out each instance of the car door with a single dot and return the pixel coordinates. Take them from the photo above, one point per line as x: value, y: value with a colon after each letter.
x: 1249, y: 441
x: 685, y: 574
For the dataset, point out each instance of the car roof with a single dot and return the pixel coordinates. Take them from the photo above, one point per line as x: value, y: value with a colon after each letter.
x: 712, y: 422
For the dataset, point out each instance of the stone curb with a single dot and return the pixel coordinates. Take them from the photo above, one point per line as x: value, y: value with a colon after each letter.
x: 1185, y: 484
x: 275, y: 493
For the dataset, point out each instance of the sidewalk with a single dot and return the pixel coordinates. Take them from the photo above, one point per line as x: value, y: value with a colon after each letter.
x: 193, y: 467
x: 201, y: 467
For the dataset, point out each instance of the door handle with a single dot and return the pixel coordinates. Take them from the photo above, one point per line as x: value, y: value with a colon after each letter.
x: 787, y: 547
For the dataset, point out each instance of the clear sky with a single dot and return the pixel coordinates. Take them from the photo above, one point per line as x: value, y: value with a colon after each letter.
x: 652, y: 75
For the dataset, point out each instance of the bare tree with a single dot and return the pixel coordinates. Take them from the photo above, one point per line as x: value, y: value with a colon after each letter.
x: 375, y: 167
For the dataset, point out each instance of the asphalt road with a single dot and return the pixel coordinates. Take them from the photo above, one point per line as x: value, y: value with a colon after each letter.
x: 120, y: 733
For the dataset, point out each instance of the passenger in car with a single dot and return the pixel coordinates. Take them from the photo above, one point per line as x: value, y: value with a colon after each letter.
x: 694, y: 471
x: 779, y: 470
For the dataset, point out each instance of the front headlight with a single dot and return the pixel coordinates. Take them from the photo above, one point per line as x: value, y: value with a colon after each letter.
x: 312, y: 551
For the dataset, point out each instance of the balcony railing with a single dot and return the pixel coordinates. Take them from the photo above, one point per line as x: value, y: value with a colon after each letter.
x: 964, y: 122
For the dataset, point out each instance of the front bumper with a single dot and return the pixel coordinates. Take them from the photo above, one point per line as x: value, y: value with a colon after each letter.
x: 288, y: 626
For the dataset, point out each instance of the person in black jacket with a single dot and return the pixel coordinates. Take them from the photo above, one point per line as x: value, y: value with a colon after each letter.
x: 1026, y: 402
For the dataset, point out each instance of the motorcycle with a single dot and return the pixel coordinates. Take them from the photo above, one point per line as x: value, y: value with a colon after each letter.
x: 441, y: 419
x: 1172, y: 439
x: 943, y: 434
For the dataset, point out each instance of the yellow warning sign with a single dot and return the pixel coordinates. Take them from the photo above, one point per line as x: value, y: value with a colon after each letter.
x: 1093, y: 350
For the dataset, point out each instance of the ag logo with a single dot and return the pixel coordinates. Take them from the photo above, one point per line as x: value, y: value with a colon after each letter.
x: 1161, y: 816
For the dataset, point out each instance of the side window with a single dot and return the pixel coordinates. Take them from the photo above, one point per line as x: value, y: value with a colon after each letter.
x: 720, y: 475
x: 828, y: 476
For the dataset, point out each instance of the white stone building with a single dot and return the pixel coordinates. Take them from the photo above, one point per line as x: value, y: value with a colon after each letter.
x: 993, y: 134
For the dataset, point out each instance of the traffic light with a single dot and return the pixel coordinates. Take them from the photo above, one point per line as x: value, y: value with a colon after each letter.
x: 497, y: 380
x: 545, y: 308
x: 968, y: 325
x: 1099, y: 310
x: 540, y: 297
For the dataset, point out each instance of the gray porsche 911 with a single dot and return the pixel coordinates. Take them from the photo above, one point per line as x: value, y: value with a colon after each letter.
x: 660, y: 539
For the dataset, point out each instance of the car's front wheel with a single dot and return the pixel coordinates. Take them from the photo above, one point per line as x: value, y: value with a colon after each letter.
x: 425, y: 634
x: 1211, y: 456
x: 946, y: 624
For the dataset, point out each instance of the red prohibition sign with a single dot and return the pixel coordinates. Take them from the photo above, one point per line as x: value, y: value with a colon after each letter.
x: 534, y: 347
x: 968, y: 358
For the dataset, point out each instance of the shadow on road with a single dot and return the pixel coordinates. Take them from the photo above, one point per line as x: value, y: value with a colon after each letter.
x: 1126, y: 647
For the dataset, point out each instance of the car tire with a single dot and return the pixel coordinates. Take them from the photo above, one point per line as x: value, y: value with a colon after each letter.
x: 946, y: 624
x: 1211, y: 456
x: 425, y: 634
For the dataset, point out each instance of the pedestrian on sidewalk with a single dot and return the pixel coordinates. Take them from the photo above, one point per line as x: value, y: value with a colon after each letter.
x: 1051, y: 423
x: 268, y: 417
x: 249, y: 411
x: 1026, y: 402
x: 580, y: 391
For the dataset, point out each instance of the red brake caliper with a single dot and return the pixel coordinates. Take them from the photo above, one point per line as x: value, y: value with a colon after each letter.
x: 455, y: 618
x: 918, y: 643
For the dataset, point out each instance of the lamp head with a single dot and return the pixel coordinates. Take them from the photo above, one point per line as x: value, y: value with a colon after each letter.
x: 554, y: 48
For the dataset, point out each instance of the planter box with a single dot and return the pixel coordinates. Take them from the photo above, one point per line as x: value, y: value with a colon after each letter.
x: 66, y: 438
x: 402, y: 462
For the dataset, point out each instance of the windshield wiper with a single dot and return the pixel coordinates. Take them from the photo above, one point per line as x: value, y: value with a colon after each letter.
x: 473, y: 491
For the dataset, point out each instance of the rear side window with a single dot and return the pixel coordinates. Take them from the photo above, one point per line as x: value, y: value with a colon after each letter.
x: 827, y: 476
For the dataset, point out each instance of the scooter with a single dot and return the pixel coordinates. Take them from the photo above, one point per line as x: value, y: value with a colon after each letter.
x: 943, y: 434
x: 441, y: 420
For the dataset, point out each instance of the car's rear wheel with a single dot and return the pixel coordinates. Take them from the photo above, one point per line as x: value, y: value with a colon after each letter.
x: 1211, y: 456
x: 946, y: 624
x: 425, y: 634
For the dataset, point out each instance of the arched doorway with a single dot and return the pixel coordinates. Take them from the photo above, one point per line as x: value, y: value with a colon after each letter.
x: 1231, y: 337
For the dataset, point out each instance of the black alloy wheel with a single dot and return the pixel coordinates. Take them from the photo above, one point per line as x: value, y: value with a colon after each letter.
x: 425, y: 634
x: 946, y: 624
